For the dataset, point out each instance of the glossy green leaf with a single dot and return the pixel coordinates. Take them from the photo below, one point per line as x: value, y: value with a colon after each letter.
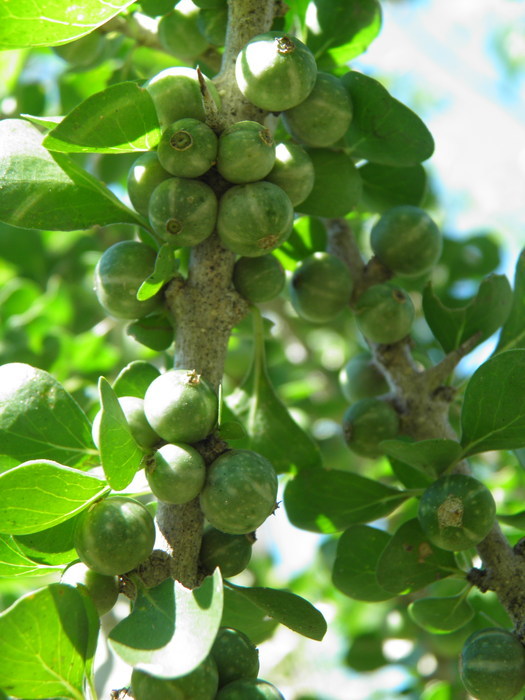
x: 165, y: 267
x: 47, y: 641
x: 231, y: 430
x: 484, y: 314
x: 383, y: 130
x: 39, y: 494
x: 52, y: 22
x: 15, y: 563
x: 385, y: 186
x: 513, y: 332
x: 289, y: 609
x: 154, y: 331
x: 270, y: 428
x: 330, y: 500
x: 171, y: 629
x: 409, y: 562
x: 135, y: 378
x: 119, y: 453
x: 39, y: 190
x: 53, y: 546
x: 120, y: 119
x: 493, y: 412
x: 432, y: 456
x: 39, y: 419
x: 354, y: 572
x: 241, y: 614
x: 439, y: 615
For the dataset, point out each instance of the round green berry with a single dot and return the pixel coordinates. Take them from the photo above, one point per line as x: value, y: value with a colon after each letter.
x: 102, y: 589
x: 133, y: 408
x: 293, y: 171
x: 231, y: 553
x: 236, y: 657
x: 367, y: 423
x: 361, y: 378
x: 320, y: 287
x: 187, y: 148
x: 259, y: 279
x: 179, y: 34
x: 144, y: 175
x: 249, y: 689
x: 246, y: 152
x: 200, y: 684
x: 176, y: 473
x: 384, y: 313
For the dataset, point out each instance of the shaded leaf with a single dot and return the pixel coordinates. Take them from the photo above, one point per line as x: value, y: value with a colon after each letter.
x: 493, y: 411
x: 14, y: 562
x: 135, y: 378
x: 331, y: 500
x: 513, y: 331
x: 385, y: 186
x: 241, y: 614
x: 410, y: 477
x: 354, y: 572
x: 439, y: 615
x: 516, y: 520
x: 47, y: 640
x: 410, y: 562
x: 289, y: 609
x: 231, y: 430
x: 39, y: 419
x: 171, y: 628
x: 431, y: 456
x: 154, y: 331
x: 52, y: 546
x: 39, y: 494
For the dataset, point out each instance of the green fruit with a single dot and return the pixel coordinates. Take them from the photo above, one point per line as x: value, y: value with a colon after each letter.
x: 293, y: 171
x: 179, y: 35
x: 337, y: 185
x: 406, y: 240
x: 212, y: 24
x: 199, y: 684
x: 156, y: 8
x: 187, y: 148
x: 492, y: 664
x: 249, y: 689
x: 183, y: 212
x: 320, y: 287
x: 246, y: 152
x: 102, y: 589
x: 118, y: 275
x: 368, y: 422
x: 176, y: 473
x: 361, y: 378
x: 254, y: 219
x: 141, y: 430
x: 144, y: 175
x: 83, y: 52
x: 324, y: 116
x: 181, y: 406
x: 211, y: 4
x: 231, y: 553
x: 259, y: 279
x: 456, y: 512
x: 275, y: 71
x: 236, y: 657
x: 176, y: 95
x: 384, y: 313
x: 240, y: 491
x: 114, y: 535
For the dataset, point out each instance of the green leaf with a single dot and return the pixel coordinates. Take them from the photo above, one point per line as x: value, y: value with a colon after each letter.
x: 14, y: 562
x: 513, y: 331
x: 439, y: 615
x: 516, y: 520
x: 47, y: 642
x: 39, y: 419
x: 154, y: 331
x: 119, y: 453
x: 271, y: 430
x: 165, y: 267
x: 231, y: 430
x: 330, y: 500
x: 430, y: 456
x: 120, y: 119
x: 241, y: 614
x: 135, y: 378
x: 339, y: 23
x: 52, y: 22
x: 409, y: 562
x: 385, y: 186
x: 383, y: 130
x: 289, y: 609
x: 171, y: 629
x: 493, y: 412
x: 354, y: 572
x: 50, y: 192
x: 52, y: 546
x: 484, y: 314
x: 39, y: 494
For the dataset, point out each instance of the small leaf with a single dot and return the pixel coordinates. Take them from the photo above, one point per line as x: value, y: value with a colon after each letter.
x: 154, y: 331
x: 47, y: 642
x: 383, y: 130
x: 516, y: 520
x: 438, y: 615
x: 410, y: 562
x: 484, y: 314
x: 39, y: 419
x: 171, y: 629
x: 135, y: 378
x: 289, y: 609
x: 14, y: 562
x: 119, y: 453
x: 493, y: 412
x: 354, y: 573
x: 119, y: 119
x: 386, y: 186
x: 231, y: 430
x: 513, y: 331
x: 165, y: 267
x: 39, y: 494
x: 331, y: 500
x: 241, y: 614
x: 431, y: 456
